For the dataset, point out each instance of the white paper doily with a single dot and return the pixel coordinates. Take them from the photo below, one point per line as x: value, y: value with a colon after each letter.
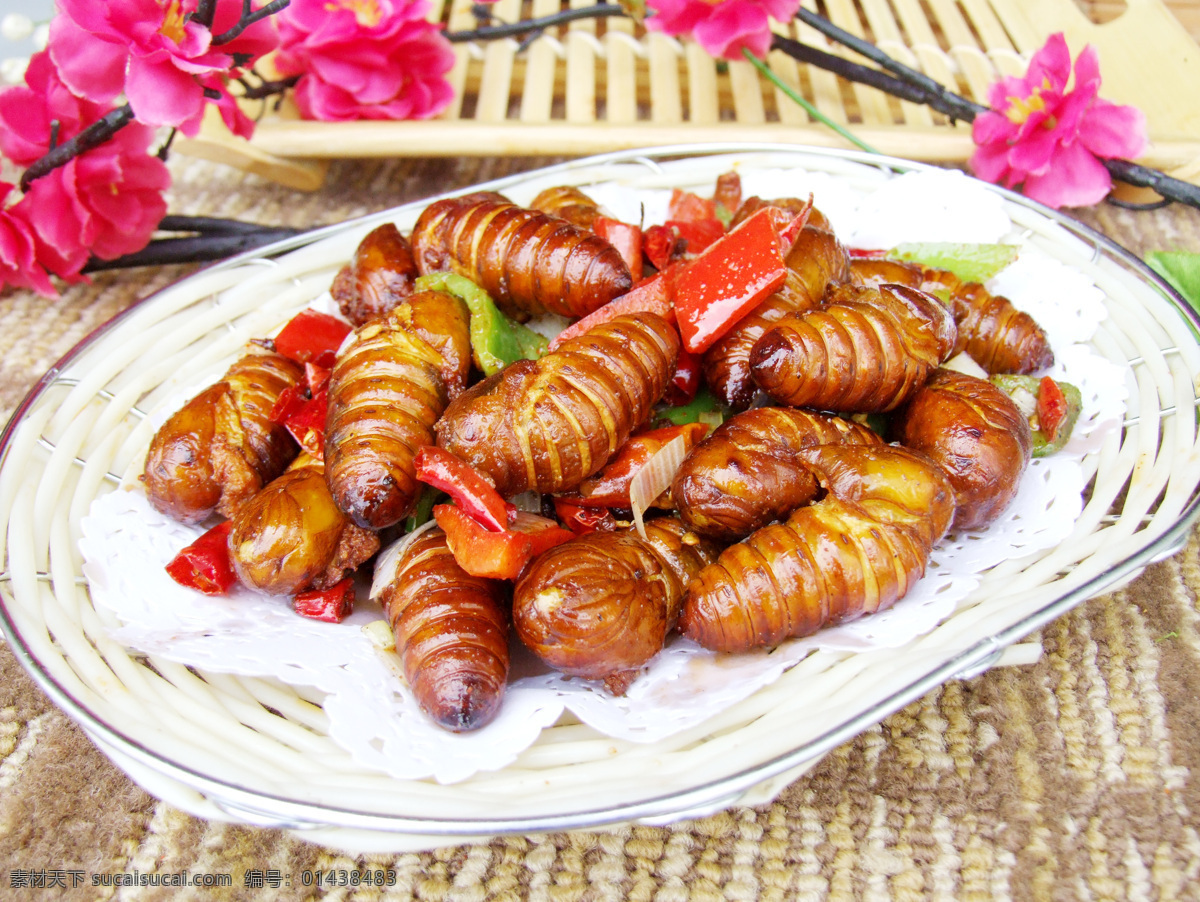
x: 126, y: 544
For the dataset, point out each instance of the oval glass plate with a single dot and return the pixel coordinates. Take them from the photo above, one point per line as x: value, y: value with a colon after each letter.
x: 257, y: 750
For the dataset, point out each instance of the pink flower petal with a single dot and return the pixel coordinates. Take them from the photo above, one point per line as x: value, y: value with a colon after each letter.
x: 1114, y: 131
x: 1033, y: 153
x: 1075, y: 178
x: 735, y: 24
x: 990, y: 162
x: 676, y: 17
x: 391, y: 68
x: 92, y: 67
x: 162, y: 95
x: 1052, y: 62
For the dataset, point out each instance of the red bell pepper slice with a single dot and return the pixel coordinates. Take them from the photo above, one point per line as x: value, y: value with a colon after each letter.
x: 471, y: 490
x: 676, y: 240
x: 686, y: 381
x: 652, y: 295
x: 661, y: 245
x: 610, y: 487
x: 583, y: 520
x: 312, y: 336
x: 289, y: 403
x: 497, y: 555
x: 698, y: 235
x: 206, y: 565
x: 688, y: 207
x: 332, y: 605
x: 307, y: 425
x: 1051, y: 408
x: 727, y: 195
x: 626, y: 238
x: 728, y: 280
x: 316, y: 376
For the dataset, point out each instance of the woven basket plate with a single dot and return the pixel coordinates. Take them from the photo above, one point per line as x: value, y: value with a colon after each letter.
x: 257, y: 750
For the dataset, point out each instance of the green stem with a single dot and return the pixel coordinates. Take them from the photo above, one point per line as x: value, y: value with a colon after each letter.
x: 812, y: 110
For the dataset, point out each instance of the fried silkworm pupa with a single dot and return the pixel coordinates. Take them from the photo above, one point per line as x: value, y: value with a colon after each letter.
x: 379, y: 276
x: 975, y: 432
x: 997, y: 336
x: 866, y: 350
x: 548, y: 424
x: 856, y: 551
x: 569, y: 203
x: 749, y: 471
x: 386, y: 392
x: 222, y: 446
x: 291, y: 537
x: 793, y: 205
x: 815, y: 260
x: 451, y: 631
x: 528, y: 261
x: 602, y: 605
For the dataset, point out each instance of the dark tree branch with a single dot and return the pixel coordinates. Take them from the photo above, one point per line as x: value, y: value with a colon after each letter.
x: 92, y: 136
x: 196, y: 249
x: 492, y: 32
x: 937, y: 97
x: 205, y: 11
x: 265, y: 89
x: 209, y: 225
x: 249, y: 17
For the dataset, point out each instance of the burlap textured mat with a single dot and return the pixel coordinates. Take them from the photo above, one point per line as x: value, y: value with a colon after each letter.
x: 1077, y: 777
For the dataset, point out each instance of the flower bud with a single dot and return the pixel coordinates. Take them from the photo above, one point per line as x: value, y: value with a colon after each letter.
x: 16, y: 26
x: 12, y: 70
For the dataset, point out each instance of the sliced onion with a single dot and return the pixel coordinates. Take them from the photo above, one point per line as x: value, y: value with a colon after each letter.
x: 530, y: 501
x: 964, y: 363
x: 655, y: 477
x: 380, y: 635
x: 388, y: 561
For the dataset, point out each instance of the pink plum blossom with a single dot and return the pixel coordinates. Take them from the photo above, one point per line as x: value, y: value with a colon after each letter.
x: 26, y: 112
x: 724, y: 27
x: 1046, y: 139
x: 18, y: 260
x: 105, y: 202
x: 155, y: 52
x: 365, y: 59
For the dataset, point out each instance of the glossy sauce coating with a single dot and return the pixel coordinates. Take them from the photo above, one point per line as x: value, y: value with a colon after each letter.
x: 386, y: 392
x: 291, y: 537
x: 378, y: 277
x: 750, y: 472
x: 222, y: 446
x: 975, y: 432
x: 998, y: 336
x: 866, y: 350
x: 567, y: 203
x: 528, y: 261
x: 604, y: 603
x: 451, y: 634
x: 856, y: 551
x: 815, y: 260
x: 549, y: 424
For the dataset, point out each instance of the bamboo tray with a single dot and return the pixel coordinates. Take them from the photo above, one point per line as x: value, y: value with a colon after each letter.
x: 602, y: 85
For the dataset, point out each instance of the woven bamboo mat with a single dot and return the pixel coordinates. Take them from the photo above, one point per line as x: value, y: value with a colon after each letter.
x: 602, y: 85
x: 1076, y: 777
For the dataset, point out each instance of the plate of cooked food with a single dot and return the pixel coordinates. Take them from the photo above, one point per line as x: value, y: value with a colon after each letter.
x: 622, y: 490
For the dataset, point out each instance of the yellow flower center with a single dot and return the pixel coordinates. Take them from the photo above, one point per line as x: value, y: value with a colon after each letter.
x: 173, y: 22
x: 367, y: 12
x: 1021, y: 108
